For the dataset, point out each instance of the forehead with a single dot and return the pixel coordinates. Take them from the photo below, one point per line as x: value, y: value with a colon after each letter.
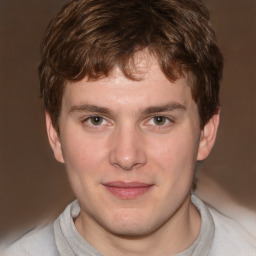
x: 149, y: 87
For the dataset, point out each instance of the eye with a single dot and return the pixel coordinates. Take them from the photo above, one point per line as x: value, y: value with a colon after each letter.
x: 159, y: 120
x: 95, y: 120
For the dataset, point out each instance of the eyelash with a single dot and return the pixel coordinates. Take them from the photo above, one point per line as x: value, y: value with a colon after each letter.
x: 88, y: 121
x: 159, y: 126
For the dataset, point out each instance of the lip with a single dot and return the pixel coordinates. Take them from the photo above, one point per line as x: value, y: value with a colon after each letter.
x: 127, y: 190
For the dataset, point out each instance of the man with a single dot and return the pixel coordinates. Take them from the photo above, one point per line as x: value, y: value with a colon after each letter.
x: 130, y: 90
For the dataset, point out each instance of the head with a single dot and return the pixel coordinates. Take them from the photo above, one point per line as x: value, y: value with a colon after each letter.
x: 131, y: 94
x: 90, y: 38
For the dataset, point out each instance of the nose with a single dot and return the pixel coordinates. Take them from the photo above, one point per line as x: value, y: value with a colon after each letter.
x: 127, y: 151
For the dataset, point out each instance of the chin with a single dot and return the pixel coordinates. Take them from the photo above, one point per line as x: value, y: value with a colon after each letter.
x: 129, y: 224
x: 131, y: 231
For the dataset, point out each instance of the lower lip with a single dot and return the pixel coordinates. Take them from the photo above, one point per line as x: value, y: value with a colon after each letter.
x: 128, y: 192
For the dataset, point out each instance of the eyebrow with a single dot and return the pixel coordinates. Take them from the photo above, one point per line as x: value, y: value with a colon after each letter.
x: 163, y: 108
x: 106, y: 111
x: 90, y: 108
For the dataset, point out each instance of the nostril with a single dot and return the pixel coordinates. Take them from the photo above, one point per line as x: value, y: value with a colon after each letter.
x: 127, y: 151
x: 127, y: 161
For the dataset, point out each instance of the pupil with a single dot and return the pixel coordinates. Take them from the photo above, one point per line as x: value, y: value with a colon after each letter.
x: 96, y: 120
x: 159, y: 120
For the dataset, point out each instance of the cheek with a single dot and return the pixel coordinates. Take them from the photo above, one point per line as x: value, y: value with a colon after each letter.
x: 82, y: 155
x: 175, y: 156
x: 83, y: 160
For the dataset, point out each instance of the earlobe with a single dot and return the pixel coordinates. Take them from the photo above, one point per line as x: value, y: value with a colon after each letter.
x: 54, y: 139
x: 208, y: 137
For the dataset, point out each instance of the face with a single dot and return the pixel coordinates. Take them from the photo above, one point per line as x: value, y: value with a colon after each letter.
x: 130, y: 148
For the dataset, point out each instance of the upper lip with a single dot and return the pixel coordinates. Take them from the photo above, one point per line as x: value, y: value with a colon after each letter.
x: 122, y: 184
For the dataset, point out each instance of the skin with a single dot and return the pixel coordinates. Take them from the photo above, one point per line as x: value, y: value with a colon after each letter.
x: 145, y: 131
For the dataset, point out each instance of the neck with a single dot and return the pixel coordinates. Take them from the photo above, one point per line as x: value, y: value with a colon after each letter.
x: 174, y: 236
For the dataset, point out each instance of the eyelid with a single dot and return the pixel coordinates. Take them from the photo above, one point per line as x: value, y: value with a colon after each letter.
x: 87, y: 118
x: 169, y: 119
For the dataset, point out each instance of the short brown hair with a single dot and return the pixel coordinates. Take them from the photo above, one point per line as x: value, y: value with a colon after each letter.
x: 89, y: 38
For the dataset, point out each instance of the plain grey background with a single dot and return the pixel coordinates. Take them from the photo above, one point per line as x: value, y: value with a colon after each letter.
x: 33, y: 185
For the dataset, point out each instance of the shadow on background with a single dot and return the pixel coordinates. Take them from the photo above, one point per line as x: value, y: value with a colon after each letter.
x: 33, y: 185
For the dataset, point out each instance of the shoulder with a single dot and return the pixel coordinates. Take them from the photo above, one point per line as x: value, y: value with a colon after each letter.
x: 230, y: 237
x: 38, y: 242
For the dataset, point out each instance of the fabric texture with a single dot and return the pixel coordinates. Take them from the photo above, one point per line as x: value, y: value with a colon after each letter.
x: 219, y: 235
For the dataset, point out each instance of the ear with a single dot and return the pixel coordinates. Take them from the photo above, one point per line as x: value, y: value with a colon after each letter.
x: 208, y: 137
x: 53, y: 138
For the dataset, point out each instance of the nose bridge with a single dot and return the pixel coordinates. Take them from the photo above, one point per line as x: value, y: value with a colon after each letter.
x: 127, y: 151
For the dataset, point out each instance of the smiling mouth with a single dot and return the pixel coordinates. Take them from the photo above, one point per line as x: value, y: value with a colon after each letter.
x: 127, y: 190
